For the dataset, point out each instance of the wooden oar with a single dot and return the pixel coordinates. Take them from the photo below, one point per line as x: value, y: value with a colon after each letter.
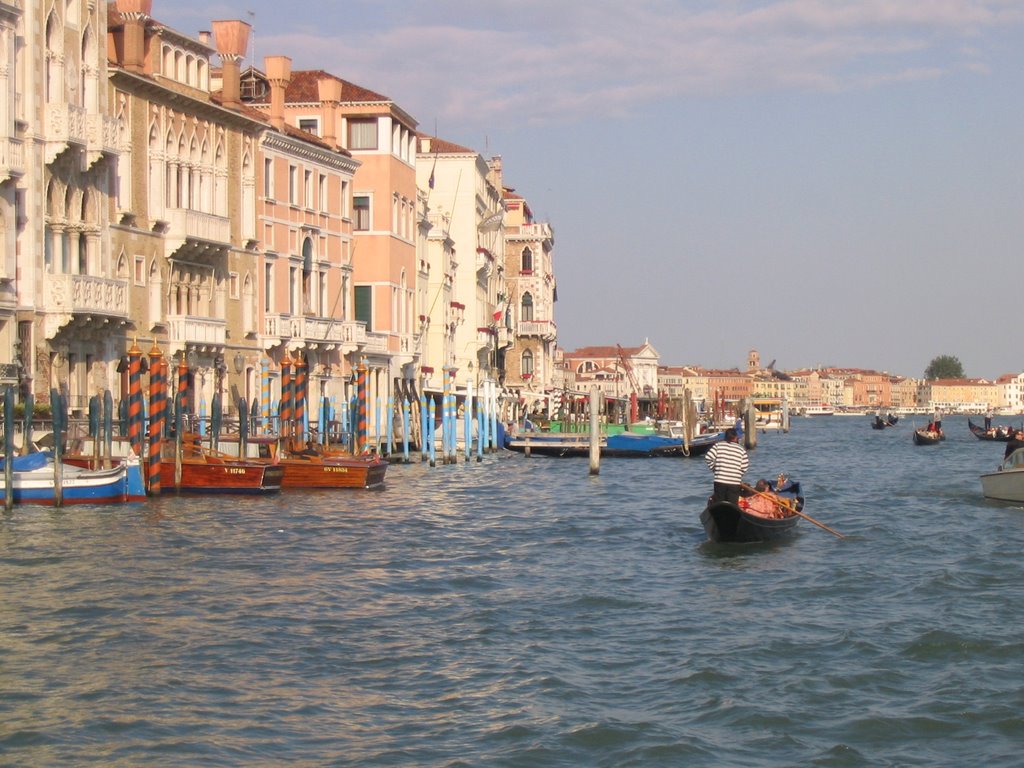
x: 794, y: 510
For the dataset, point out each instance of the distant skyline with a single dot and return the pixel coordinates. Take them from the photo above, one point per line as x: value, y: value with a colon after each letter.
x: 831, y: 183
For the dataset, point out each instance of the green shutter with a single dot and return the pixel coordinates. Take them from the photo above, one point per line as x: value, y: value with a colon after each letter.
x: 364, y: 305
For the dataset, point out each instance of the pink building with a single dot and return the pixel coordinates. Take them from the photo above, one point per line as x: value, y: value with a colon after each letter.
x: 380, y: 136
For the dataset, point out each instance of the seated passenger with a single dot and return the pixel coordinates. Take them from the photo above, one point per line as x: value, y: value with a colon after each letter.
x: 764, y: 503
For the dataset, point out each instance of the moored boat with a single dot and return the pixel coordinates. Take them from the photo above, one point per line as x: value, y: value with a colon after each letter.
x: 314, y: 467
x: 33, y: 481
x: 202, y: 471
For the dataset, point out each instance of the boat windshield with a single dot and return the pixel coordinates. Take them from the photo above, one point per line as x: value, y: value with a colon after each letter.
x: 1015, y: 460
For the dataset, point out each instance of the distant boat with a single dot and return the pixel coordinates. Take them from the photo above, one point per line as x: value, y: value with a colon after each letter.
x: 925, y: 436
x: 889, y: 421
x: 1007, y: 483
x: 819, y: 410
x: 33, y: 482
x: 621, y: 445
x: 998, y: 434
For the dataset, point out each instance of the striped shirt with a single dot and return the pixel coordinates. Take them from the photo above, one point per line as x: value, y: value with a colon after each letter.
x: 728, y: 461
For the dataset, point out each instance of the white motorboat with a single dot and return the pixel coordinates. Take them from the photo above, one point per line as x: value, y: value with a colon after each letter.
x: 1007, y: 483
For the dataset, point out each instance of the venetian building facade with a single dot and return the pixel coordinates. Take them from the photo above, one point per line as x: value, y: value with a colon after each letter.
x: 12, y: 169
x: 185, y: 230
x: 305, y: 287
x: 529, y: 308
x: 71, y: 294
x: 466, y: 208
x: 379, y: 135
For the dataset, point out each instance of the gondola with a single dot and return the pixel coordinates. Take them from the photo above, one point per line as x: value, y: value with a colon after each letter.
x: 888, y: 421
x: 725, y: 522
x: 925, y: 436
x: 998, y: 434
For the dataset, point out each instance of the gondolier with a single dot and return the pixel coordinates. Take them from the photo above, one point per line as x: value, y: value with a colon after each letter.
x: 728, y: 461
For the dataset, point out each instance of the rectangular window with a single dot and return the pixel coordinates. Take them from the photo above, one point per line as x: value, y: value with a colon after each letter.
x: 268, y: 287
x: 364, y: 305
x: 307, y: 185
x: 268, y: 178
x: 361, y: 212
x: 140, y: 270
x: 233, y: 285
x: 310, y: 125
x: 293, y: 185
x: 362, y: 133
x: 322, y: 195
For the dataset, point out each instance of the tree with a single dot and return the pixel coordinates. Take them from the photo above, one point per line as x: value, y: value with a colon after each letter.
x: 944, y: 367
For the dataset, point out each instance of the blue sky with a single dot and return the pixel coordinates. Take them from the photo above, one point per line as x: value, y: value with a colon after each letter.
x: 833, y: 182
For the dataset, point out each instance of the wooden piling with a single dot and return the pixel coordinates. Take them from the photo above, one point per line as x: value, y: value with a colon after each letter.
x: 595, y: 432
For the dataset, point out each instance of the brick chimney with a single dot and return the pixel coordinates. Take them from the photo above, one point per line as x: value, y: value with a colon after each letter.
x: 135, y: 14
x: 329, y: 90
x: 232, y: 38
x: 279, y: 73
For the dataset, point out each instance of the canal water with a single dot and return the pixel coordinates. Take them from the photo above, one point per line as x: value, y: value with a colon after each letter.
x: 518, y: 612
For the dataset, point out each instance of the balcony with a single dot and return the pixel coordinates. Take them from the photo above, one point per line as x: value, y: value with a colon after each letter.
x: 103, y: 133
x: 192, y: 330
x: 83, y: 299
x: 65, y: 127
x: 195, y: 235
x: 12, y: 159
x: 546, y: 329
x: 280, y: 328
x: 376, y: 343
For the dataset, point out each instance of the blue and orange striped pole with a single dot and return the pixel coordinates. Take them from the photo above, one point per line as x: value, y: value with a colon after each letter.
x: 300, y: 395
x: 285, y: 415
x: 361, y: 417
x: 135, y: 420
x: 157, y: 414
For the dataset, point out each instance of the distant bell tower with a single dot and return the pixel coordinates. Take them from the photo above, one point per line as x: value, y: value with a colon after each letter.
x: 753, y: 360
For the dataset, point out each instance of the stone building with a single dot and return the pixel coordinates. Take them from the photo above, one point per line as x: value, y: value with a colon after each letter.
x: 185, y: 235
x: 72, y: 292
x: 529, y: 308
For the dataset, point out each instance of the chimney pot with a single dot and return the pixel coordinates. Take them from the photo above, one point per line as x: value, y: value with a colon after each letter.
x: 279, y: 73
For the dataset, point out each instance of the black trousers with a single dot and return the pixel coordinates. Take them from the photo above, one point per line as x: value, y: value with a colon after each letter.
x: 727, y: 492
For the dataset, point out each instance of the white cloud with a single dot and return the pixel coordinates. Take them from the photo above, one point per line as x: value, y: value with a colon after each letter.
x: 541, y: 61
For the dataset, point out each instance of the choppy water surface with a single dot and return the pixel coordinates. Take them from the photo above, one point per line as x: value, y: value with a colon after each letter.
x: 522, y: 613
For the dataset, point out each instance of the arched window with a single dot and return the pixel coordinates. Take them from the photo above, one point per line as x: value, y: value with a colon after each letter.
x: 54, y: 61
x: 307, y: 275
x: 248, y: 306
x: 527, y: 260
x: 156, y: 295
x: 527, y: 363
x: 526, y: 309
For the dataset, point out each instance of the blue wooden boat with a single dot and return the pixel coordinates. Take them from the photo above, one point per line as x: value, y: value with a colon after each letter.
x: 33, y: 482
x: 621, y: 445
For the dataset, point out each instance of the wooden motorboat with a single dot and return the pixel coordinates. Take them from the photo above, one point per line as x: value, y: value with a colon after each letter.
x: 314, y: 467
x: 202, y: 470
x: 997, y: 434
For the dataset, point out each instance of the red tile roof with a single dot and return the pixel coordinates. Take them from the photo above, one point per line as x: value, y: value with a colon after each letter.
x: 441, y: 147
